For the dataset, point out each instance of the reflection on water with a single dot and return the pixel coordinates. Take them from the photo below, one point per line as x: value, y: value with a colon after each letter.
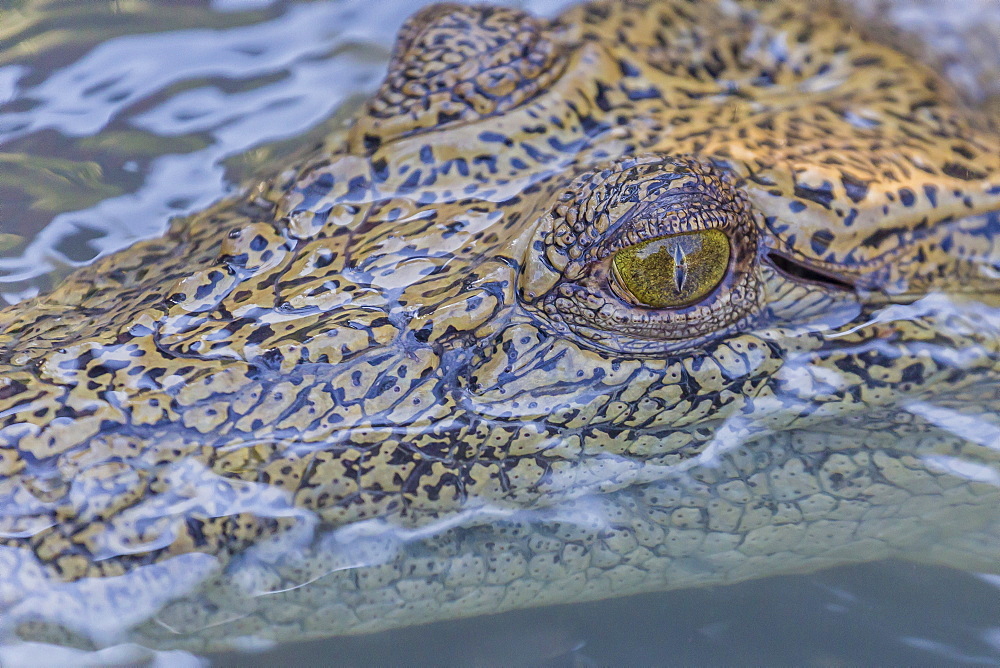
x: 224, y: 92
x: 102, y: 145
x: 891, y: 613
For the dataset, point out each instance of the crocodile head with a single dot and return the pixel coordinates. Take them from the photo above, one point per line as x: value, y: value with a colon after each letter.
x: 652, y: 295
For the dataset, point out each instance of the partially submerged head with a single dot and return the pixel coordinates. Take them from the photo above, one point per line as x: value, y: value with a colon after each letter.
x: 549, y: 259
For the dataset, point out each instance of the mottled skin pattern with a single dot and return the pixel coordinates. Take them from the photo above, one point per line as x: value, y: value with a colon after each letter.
x: 394, y: 385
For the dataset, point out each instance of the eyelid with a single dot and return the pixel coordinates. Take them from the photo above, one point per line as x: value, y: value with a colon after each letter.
x: 642, y: 226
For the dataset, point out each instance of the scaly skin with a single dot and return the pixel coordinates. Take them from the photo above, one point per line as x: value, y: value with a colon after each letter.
x: 396, y: 385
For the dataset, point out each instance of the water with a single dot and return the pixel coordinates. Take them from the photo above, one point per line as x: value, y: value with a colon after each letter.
x: 117, y: 116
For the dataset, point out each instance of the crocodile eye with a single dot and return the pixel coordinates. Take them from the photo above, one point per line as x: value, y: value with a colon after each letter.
x: 647, y: 254
x: 671, y: 271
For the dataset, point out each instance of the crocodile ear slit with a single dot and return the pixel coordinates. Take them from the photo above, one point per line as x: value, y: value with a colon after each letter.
x: 797, y: 269
x: 454, y: 64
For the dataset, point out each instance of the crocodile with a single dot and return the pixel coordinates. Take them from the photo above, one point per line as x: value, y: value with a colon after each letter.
x: 653, y: 294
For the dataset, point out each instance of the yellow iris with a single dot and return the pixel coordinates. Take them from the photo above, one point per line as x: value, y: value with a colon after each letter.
x: 673, y: 270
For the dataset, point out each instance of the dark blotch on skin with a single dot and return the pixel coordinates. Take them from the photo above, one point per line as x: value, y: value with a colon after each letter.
x: 856, y: 189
